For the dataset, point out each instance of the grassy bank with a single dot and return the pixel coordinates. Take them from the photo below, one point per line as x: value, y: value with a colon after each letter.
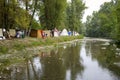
x: 14, y: 51
x: 18, y: 44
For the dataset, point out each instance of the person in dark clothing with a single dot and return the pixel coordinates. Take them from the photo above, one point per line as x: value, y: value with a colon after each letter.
x: 52, y: 33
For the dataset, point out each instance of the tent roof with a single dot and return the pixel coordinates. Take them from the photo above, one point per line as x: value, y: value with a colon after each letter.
x: 64, y: 32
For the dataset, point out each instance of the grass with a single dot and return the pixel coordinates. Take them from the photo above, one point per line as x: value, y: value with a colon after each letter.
x: 20, y: 44
x: 3, y: 49
x: 54, y: 40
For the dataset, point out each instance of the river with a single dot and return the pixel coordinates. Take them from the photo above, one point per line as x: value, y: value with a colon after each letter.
x: 88, y: 59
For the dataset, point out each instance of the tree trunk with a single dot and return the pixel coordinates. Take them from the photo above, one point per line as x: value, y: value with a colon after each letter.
x: 30, y: 25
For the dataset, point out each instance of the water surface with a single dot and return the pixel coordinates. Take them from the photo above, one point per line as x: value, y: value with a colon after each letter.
x: 81, y: 60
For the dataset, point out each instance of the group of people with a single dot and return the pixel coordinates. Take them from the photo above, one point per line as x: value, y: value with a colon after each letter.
x: 6, y: 34
x: 18, y: 34
x: 43, y: 34
x: 53, y: 33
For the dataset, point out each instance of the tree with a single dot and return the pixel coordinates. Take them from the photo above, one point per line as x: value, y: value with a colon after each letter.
x: 54, y: 11
x: 18, y: 13
x: 118, y: 20
x: 74, y: 15
x: 4, y: 13
x: 21, y: 22
x: 30, y: 7
x: 103, y: 22
x: 1, y: 13
x: 36, y: 25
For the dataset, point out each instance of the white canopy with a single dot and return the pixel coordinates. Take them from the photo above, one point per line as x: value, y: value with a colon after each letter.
x: 64, y: 32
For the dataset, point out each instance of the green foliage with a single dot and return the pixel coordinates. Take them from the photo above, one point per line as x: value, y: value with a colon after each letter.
x: 22, y: 22
x: 74, y: 15
x: 13, y: 14
x: 118, y: 20
x: 103, y: 22
x: 51, y: 13
x: 54, y: 11
x: 36, y: 25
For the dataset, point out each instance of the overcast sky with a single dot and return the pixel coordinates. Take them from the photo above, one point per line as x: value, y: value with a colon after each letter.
x: 93, y: 5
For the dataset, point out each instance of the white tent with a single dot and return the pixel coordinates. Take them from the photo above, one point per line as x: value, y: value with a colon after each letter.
x: 56, y: 33
x: 1, y: 32
x: 64, y: 32
x: 76, y: 34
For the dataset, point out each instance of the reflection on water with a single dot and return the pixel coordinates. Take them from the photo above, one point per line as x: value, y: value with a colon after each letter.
x: 93, y: 69
x: 87, y: 60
